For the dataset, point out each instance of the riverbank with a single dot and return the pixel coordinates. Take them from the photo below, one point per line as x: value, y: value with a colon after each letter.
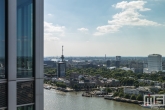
x: 92, y: 94
x: 47, y: 86
x: 110, y: 97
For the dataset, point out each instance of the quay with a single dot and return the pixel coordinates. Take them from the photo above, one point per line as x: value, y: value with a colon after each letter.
x: 93, y: 94
x: 110, y: 97
x: 46, y: 86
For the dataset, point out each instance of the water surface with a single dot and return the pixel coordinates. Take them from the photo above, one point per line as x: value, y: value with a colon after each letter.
x: 55, y: 100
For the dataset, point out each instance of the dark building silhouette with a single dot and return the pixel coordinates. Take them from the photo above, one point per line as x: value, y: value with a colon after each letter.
x: 117, y: 64
x: 138, y: 67
x: 108, y: 63
x: 61, y: 68
x: 118, y: 58
x: 51, y: 64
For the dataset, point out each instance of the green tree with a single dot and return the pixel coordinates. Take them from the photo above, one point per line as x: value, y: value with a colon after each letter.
x: 133, y: 97
x: 127, y: 96
x: 75, y: 87
x: 139, y: 97
x: 152, y: 84
x: 121, y: 94
x: 108, y: 90
x: 115, y: 94
x: 161, y: 92
x: 59, y: 84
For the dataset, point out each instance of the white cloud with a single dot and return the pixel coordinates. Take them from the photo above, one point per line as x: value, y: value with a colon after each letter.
x: 156, y: 0
x: 50, y: 28
x: 106, y: 29
x: 138, y: 5
x: 50, y: 14
x: 52, y: 32
x: 50, y: 37
x: 129, y: 16
x: 82, y: 29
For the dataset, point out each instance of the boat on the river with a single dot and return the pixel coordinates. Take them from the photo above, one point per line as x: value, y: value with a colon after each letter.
x: 47, y: 87
x: 86, y: 95
x: 146, y: 106
x: 110, y: 97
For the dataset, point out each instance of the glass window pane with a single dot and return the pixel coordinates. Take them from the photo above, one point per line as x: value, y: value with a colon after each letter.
x: 3, y: 95
x: 29, y: 107
x: 25, y: 38
x: 2, y: 39
x: 25, y: 92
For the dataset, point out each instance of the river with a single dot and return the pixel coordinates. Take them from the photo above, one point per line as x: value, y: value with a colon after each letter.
x: 56, y: 100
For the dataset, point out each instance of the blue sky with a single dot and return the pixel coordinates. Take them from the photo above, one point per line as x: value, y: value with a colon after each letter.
x: 99, y: 27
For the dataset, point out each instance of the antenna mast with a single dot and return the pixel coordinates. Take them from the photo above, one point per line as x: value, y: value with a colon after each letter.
x: 62, y: 56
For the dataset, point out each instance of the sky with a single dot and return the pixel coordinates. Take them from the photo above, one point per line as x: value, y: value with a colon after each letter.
x: 99, y: 27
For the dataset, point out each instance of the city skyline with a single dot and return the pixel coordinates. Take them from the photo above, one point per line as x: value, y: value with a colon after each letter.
x: 86, y: 28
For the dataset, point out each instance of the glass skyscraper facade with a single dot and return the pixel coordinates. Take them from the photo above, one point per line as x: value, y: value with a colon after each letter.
x: 2, y: 39
x: 21, y: 55
x: 25, y: 38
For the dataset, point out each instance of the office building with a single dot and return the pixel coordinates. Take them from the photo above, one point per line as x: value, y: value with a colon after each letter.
x: 138, y: 67
x: 118, y: 58
x: 61, y: 71
x: 154, y: 63
x: 108, y: 63
x: 117, y: 64
x: 21, y: 55
x: 50, y: 64
x: 163, y: 65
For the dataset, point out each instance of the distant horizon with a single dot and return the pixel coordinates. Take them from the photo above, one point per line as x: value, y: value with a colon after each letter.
x: 97, y: 56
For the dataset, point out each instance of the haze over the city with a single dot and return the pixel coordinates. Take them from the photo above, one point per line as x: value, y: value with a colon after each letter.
x: 98, y: 27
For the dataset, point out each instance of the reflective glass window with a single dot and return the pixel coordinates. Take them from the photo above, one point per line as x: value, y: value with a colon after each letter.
x: 3, y: 95
x: 29, y: 107
x: 25, y: 38
x: 25, y: 92
x: 2, y: 39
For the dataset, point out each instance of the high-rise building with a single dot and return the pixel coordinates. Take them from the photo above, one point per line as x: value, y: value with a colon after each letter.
x: 21, y: 55
x: 61, y: 69
x: 118, y: 58
x: 154, y: 62
x: 108, y: 63
x: 117, y: 62
x: 138, y: 67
